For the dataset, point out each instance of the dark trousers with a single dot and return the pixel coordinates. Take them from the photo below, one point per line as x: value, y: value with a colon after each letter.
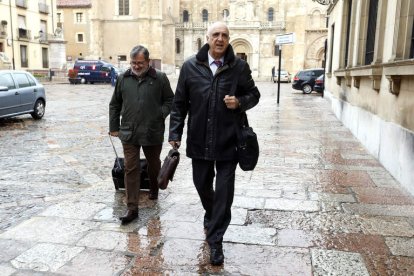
x: 133, y: 171
x: 216, y: 202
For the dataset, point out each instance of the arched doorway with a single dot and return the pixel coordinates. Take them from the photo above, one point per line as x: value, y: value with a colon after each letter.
x: 315, y: 53
x: 242, y: 48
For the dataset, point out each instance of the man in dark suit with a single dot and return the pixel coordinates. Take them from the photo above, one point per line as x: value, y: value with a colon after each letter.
x: 203, y: 92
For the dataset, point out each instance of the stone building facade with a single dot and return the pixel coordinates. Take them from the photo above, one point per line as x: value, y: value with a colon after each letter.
x: 253, y: 29
x: 175, y: 30
x: 370, y: 78
x: 27, y: 34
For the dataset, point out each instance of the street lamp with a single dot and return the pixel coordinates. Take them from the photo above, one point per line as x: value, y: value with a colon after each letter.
x: 324, y: 2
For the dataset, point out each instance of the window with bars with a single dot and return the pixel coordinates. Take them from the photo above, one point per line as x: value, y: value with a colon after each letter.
x: 331, y: 48
x: 79, y: 38
x: 276, y: 51
x: 24, y: 61
x: 79, y: 17
x: 226, y: 14
x: 205, y: 15
x: 45, y: 58
x: 412, y: 42
x: 185, y: 16
x: 270, y: 13
x: 177, y: 46
x: 123, y: 7
x: 198, y: 43
x: 372, y: 25
x: 348, y: 28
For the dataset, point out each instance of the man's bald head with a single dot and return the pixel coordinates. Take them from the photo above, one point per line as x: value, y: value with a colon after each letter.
x: 216, y: 25
x: 218, y: 39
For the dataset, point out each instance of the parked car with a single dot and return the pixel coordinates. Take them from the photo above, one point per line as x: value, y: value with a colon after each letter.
x: 92, y: 71
x: 21, y: 93
x: 284, y: 76
x: 319, y: 84
x: 305, y: 80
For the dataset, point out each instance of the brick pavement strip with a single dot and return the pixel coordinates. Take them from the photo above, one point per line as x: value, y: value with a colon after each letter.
x: 317, y: 203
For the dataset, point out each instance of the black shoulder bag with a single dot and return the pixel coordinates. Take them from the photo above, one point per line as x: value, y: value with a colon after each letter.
x: 247, y: 144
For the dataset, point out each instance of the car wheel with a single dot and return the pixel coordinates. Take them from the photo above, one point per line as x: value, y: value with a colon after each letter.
x: 39, y: 110
x: 307, y: 89
x: 83, y: 80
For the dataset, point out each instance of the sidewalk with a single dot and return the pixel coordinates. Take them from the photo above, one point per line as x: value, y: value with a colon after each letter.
x: 317, y: 203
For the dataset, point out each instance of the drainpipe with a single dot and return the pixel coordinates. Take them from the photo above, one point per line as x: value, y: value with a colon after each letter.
x: 53, y: 13
x: 12, y: 39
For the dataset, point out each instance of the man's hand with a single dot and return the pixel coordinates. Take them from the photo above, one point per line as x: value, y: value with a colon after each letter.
x: 175, y: 144
x: 231, y: 102
x: 114, y: 133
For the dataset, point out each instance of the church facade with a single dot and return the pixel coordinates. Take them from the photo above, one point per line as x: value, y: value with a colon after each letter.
x: 175, y: 30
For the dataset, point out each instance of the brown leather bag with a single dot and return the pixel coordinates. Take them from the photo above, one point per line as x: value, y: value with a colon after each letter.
x: 168, y: 168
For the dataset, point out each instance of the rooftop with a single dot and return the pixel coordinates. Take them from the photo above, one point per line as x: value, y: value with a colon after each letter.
x: 73, y: 3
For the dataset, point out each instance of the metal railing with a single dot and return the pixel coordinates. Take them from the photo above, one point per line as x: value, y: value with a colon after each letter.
x: 23, y: 34
x: 256, y: 24
x: 192, y: 25
x: 43, y: 8
x: 21, y: 3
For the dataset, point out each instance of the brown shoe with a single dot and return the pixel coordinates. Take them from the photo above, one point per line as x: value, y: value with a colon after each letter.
x: 129, y: 216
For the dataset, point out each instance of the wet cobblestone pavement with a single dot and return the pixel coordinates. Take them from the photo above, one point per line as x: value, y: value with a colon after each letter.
x: 317, y: 203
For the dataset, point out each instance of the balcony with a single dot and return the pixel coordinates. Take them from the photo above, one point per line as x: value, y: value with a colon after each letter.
x: 278, y: 25
x: 23, y: 34
x: 21, y: 4
x: 43, y: 8
x: 44, y: 38
x: 3, y: 34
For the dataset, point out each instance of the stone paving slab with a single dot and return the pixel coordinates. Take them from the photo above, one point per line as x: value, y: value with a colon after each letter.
x: 49, y: 229
x: 6, y: 270
x: 401, y: 246
x: 331, y: 262
x: 317, y: 203
x: 380, y: 210
x: 46, y: 257
x: 95, y: 262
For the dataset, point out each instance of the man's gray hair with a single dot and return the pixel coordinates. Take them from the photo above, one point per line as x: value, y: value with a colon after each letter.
x: 139, y: 49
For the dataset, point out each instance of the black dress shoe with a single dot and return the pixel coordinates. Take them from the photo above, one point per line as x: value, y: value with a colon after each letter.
x: 216, y: 255
x: 129, y: 216
x: 153, y: 194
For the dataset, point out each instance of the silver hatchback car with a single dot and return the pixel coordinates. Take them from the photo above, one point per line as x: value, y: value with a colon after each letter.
x: 284, y: 76
x: 21, y: 93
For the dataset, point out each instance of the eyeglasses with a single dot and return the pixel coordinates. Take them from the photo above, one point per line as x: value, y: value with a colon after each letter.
x: 138, y: 63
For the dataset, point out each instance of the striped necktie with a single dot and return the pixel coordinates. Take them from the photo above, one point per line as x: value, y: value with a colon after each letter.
x: 218, y: 63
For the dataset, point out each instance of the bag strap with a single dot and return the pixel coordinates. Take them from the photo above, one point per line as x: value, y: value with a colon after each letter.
x: 238, y: 69
x: 235, y: 77
x: 242, y: 118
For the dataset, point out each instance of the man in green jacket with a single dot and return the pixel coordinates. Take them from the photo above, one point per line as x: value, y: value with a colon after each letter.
x: 140, y: 103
